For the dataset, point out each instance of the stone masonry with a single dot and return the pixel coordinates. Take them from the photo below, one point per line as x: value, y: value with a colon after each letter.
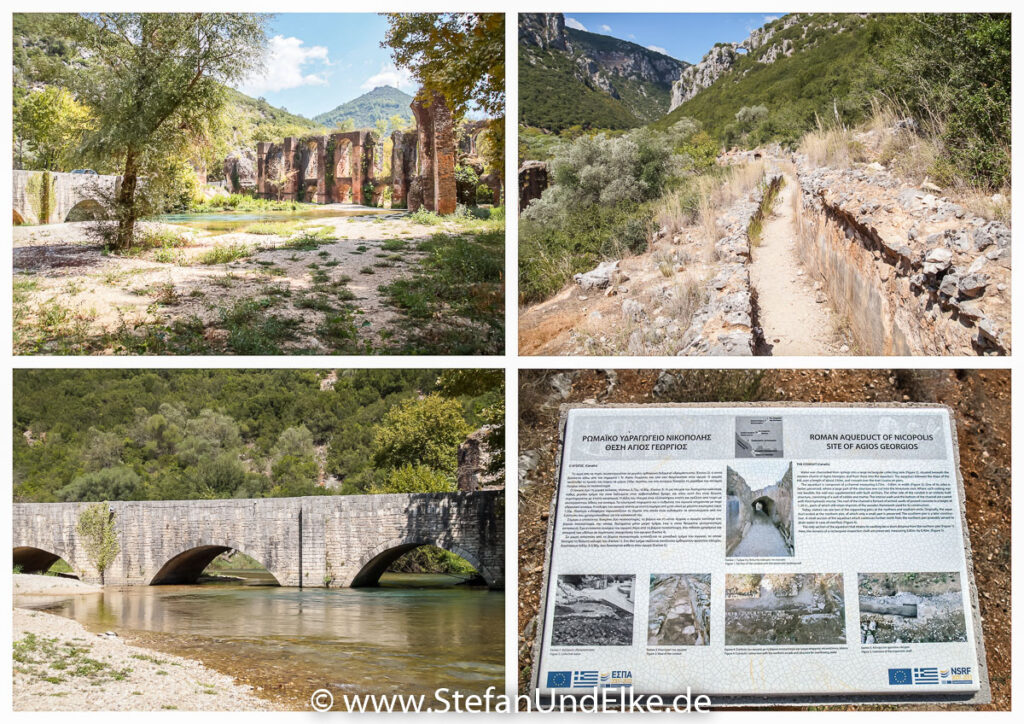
x: 67, y: 197
x: 436, y: 139
x: 347, y: 168
x: 320, y: 541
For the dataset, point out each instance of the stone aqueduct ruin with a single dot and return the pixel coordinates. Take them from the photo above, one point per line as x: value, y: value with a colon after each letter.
x: 347, y: 167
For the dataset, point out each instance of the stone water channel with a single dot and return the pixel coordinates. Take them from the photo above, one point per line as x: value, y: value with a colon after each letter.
x: 411, y: 635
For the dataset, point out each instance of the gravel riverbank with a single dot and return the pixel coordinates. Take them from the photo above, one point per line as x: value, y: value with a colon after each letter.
x: 61, y: 666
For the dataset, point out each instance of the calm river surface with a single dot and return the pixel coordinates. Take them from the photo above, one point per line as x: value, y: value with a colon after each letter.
x: 413, y: 634
x: 228, y: 221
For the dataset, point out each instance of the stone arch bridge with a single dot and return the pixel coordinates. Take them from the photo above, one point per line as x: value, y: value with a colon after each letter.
x: 317, y: 541
x: 42, y: 197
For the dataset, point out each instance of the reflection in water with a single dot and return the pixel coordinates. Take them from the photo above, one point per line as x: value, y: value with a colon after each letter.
x: 395, y: 638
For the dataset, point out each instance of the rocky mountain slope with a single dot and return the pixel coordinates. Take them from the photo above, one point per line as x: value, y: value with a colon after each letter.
x: 380, y: 104
x: 798, y: 67
x: 572, y: 77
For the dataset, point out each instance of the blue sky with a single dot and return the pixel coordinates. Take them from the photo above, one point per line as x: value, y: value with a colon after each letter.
x: 685, y: 36
x: 320, y: 60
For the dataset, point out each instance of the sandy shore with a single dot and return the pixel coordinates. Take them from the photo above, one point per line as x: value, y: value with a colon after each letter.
x: 33, y: 585
x: 60, y: 666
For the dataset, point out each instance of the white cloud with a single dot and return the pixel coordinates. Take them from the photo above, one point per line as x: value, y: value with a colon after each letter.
x: 632, y: 37
x: 770, y: 18
x: 657, y: 49
x: 606, y: 28
x: 285, y: 66
x: 575, y: 24
x: 392, y: 76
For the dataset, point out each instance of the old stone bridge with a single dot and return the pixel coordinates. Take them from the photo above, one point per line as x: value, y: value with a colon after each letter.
x: 47, y: 197
x: 317, y: 541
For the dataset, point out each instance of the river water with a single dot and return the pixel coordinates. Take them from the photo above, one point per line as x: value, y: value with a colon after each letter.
x: 413, y: 634
x: 229, y: 221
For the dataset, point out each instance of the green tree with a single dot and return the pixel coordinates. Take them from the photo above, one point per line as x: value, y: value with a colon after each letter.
x: 51, y: 123
x: 97, y: 533
x: 154, y: 82
x: 414, y: 479
x: 459, y: 55
x: 953, y: 71
x: 424, y: 431
x: 398, y: 122
x: 117, y: 483
x: 462, y: 57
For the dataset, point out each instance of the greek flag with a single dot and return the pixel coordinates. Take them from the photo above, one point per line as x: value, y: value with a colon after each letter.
x: 584, y: 679
x: 926, y: 675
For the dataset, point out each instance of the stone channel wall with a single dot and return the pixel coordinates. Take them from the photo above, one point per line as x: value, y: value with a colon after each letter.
x: 909, y: 272
x: 319, y: 541
x: 726, y: 324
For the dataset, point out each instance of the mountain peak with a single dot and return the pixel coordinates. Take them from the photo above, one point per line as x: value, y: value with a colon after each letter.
x: 378, y: 104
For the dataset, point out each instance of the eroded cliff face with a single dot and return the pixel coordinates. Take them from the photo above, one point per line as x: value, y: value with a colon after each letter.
x: 764, y: 44
x: 598, y: 59
x: 543, y: 30
x: 695, y: 78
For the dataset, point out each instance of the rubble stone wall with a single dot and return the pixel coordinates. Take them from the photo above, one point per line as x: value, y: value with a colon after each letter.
x: 911, y: 274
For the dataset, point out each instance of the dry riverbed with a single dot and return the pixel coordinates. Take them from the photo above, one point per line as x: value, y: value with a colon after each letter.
x: 370, y: 284
x: 60, y: 666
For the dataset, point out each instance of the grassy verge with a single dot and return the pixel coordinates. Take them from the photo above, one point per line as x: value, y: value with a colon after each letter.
x: 549, y: 255
x: 454, y: 302
x: 769, y: 192
x: 52, y: 660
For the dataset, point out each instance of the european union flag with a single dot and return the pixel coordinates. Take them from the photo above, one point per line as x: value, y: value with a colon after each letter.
x: 898, y: 677
x: 559, y: 679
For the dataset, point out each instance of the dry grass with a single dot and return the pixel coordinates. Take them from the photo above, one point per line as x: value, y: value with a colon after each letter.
x: 701, y: 201
x: 914, y: 156
x: 833, y: 146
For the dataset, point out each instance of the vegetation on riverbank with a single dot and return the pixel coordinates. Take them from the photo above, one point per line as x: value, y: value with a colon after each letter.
x: 187, y: 434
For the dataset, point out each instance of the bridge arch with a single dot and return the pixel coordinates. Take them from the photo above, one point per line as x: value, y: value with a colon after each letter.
x: 189, y: 564
x: 373, y: 565
x: 37, y: 560
x: 86, y: 210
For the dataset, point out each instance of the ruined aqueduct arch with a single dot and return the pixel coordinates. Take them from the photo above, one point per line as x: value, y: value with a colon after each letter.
x: 344, y: 167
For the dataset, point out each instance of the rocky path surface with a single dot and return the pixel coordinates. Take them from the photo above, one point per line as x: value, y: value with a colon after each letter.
x: 794, y: 316
x: 763, y: 539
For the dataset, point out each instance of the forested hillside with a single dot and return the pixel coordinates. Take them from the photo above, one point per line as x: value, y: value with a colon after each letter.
x: 801, y: 72
x: 187, y: 434
x: 382, y: 105
x: 571, y: 77
x: 798, y: 67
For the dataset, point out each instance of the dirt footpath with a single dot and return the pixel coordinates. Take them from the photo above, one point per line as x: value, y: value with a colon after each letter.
x: 980, y: 400
x: 794, y: 317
